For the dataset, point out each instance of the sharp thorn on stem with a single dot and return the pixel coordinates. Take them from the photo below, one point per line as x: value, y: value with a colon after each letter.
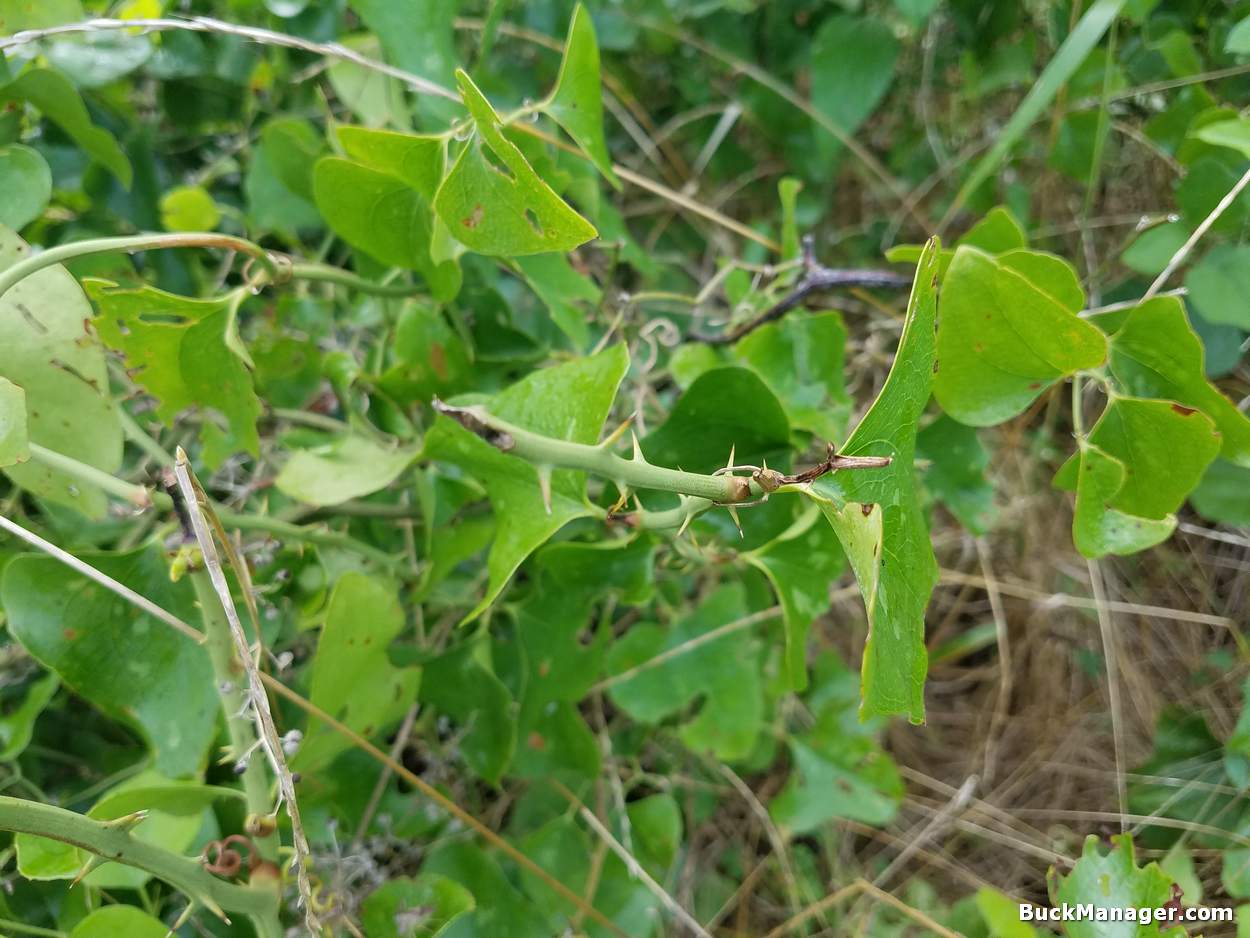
x: 619, y: 432
x: 544, y: 485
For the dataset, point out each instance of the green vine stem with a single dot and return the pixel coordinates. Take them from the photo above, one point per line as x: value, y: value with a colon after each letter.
x: 229, y: 676
x: 276, y: 269
x: 721, y: 488
x: 142, y: 497
x: 130, y: 244
x: 112, y: 841
x: 324, y: 273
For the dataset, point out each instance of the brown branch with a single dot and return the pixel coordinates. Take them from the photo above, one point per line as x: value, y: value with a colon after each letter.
x: 770, y: 479
x: 816, y: 278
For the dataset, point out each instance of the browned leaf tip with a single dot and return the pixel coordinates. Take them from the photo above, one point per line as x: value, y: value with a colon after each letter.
x: 469, y: 419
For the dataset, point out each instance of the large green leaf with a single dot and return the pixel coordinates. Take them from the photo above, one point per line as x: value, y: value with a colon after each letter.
x: 25, y: 185
x: 723, y: 673
x: 416, y: 159
x: 417, y: 37
x: 1003, y: 339
x: 801, y: 359
x: 958, y: 472
x: 159, y: 680
x: 503, y: 207
x: 1156, y: 354
x: 567, y: 294
x: 460, y: 684
x: 52, y: 94
x: 570, y: 402
x: 183, y: 352
x: 353, y: 680
x: 343, y: 466
x: 801, y: 564
x: 852, y: 67
x: 1112, y: 880
x: 576, y: 103
x: 559, y: 650
x: 120, y: 921
x: 876, y: 514
x: 1219, y: 285
x: 47, y: 351
x: 383, y: 216
x: 724, y: 409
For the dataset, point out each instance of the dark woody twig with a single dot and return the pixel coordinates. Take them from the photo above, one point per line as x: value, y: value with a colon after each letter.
x: 816, y: 279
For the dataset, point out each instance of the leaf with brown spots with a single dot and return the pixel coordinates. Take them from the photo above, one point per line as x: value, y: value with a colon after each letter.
x: 1006, y: 333
x: 494, y: 202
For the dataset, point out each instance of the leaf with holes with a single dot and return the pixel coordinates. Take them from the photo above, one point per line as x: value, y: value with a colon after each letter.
x: 185, y: 353
x: 503, y: 207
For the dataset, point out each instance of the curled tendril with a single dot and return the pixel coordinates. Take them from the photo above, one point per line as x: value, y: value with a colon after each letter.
x: 222, y: 858
x: 283, y: 271
x: 668, y: 336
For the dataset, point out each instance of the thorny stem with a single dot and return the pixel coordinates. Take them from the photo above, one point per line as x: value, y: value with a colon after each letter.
x: 704, y: 491
x: 258, y: 701
x: 112, y: 841
x: 228, y: 673
x: 142, y: 497
x: 816, y: 278
x: 312, y: 710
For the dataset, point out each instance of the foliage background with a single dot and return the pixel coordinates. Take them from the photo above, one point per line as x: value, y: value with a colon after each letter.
x: 1067, y: 695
